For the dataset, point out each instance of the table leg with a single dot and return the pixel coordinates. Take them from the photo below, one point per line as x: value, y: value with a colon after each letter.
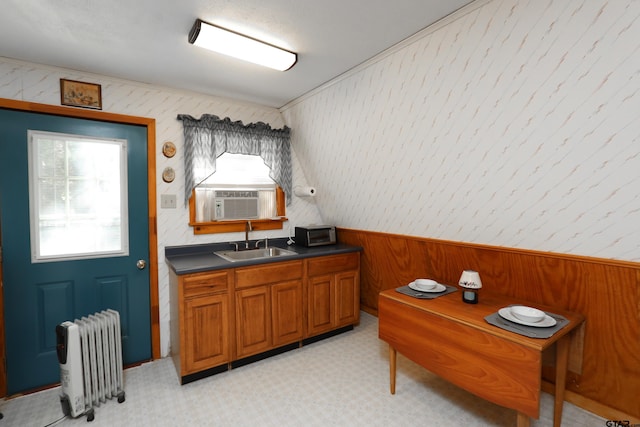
x: 392, y: 369
x: 523, y: 420
x: 562, y: 358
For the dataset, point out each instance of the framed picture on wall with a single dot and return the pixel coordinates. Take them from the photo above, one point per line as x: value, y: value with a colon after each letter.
x: 80, y: 94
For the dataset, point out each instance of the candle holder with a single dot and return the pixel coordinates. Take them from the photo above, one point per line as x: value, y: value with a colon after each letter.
x: 471, y: 283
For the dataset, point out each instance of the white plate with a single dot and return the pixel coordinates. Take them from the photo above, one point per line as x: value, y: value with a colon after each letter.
x: 438, y: 288
x: 544, y: 323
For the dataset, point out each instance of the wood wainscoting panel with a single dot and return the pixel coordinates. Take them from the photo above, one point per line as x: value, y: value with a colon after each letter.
x: 605, y: 360
x: 395, y: 262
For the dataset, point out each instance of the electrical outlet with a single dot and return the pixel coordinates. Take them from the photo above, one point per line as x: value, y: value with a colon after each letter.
x: 168, y: 201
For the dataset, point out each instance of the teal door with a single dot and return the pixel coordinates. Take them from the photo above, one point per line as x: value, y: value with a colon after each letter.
x: 40, y: 295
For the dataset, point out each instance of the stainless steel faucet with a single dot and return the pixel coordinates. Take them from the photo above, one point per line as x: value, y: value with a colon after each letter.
x: 266, y: 243
x: 247, y: 229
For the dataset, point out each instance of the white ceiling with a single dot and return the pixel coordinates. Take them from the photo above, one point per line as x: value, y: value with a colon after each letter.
x: 146, y: 40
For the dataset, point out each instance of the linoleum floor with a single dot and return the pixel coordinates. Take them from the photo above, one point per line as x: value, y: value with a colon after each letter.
x: 340, y: 381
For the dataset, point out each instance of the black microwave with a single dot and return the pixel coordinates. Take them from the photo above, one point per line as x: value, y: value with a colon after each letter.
x: 316, y: 235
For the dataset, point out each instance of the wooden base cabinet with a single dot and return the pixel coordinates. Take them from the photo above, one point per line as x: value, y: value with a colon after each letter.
x: 206, y: 332
x: 253, y: 321
x: 347, y: 301
x: 333, y: 292
x: 222, y: 317
x: 200, y: 321
x: 268, y: 307
x: 286, y: 311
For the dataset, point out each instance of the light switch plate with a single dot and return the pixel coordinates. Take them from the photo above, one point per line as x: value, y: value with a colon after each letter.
x: 168, y: 201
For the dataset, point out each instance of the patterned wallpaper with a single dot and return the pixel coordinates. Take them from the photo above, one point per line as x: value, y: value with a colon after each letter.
x: 38, y: 83
x: 514, y: 123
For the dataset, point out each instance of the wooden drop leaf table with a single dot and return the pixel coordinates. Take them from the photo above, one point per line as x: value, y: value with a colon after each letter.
x: 452, y: 340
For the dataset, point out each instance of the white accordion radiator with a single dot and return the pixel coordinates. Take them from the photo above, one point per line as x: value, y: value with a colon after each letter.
x: 90, y: 356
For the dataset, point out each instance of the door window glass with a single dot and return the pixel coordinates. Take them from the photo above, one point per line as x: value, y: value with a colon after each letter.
x: 78, y: 197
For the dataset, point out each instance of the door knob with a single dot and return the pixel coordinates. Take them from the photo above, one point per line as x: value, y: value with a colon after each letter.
x: 141, y: 264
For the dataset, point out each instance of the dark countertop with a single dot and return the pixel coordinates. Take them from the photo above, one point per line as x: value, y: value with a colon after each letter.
x: 196, y: 258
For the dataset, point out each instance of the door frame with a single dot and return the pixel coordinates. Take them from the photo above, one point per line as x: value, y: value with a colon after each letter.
x: 150, y: 124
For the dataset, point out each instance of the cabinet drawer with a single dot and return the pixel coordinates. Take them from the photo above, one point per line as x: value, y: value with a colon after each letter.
x: 205, y: 283
x: 270, y: 273
x: 333, y: 263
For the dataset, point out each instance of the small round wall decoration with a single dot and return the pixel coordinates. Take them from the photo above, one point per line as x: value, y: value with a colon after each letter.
x: 169, y: 149
x: 168, y: 174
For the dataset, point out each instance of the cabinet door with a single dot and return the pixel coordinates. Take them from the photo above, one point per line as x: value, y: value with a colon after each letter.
x: 320, y: 301
x: 206, y: 332
x: 253, y: 321
x: 286, y: 307
x: 347, y: 305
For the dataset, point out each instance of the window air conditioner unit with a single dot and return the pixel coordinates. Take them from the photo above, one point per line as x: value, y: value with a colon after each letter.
x: 236, y: 204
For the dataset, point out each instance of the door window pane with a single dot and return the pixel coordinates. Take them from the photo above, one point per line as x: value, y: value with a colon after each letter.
x: 78, y: 197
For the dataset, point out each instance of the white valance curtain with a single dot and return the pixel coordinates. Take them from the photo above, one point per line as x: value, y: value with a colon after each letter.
x: 209, y: 137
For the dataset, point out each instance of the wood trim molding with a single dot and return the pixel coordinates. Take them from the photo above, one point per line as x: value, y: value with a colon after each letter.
x: 3, y: 370
x: 150, y: 124
x: 592, y: 406
x: 505, y: 249
x: 231, y: 226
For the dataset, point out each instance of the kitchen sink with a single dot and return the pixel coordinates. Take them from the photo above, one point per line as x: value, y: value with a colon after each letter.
x: 250, y: 254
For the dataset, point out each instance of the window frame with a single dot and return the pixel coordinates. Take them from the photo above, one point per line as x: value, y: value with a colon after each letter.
x: 229, y: 226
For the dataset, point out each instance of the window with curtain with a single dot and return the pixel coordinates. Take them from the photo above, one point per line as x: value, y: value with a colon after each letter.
x: 244, y: 182
x: 208, y: 138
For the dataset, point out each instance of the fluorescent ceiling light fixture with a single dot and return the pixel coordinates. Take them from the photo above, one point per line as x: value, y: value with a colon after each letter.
x: 233, y: 44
